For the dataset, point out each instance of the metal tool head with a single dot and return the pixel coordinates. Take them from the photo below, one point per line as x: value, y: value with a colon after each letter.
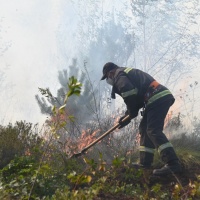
x: 75, y: 155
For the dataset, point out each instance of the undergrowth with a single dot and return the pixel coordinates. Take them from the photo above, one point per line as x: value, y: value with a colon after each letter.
x: 94, y: 180
x: 35, y: 168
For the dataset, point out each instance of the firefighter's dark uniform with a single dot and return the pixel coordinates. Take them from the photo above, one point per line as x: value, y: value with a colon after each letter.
x: 139, y: 89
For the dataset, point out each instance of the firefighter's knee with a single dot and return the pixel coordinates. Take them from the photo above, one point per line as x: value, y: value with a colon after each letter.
x: 153, y: 132
x: 142, y: 130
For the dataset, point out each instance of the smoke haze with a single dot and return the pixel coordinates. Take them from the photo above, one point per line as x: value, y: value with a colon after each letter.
x: 40, y: 38
x: 31, y: 56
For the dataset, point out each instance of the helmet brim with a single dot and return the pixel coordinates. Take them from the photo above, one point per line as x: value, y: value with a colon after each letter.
x: 103, y: 77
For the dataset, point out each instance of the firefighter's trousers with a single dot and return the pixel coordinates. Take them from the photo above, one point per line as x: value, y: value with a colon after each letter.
x: 152, y: 136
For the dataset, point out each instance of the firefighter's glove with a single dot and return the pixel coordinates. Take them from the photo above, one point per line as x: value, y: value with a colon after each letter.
x: 123, y: 123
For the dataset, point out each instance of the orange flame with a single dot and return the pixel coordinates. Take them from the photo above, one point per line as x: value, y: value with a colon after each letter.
x: 86, y: 139
x: 168, y: 118
x: 167, y: 123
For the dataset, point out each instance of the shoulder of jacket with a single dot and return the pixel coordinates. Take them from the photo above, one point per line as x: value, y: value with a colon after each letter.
x: 124, y: 69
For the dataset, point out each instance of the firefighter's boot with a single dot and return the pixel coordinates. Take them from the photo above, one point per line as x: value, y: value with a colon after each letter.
x: 145, y: 162
x: 172, y: 164
x: 140, y: 166
x: 173, y: 167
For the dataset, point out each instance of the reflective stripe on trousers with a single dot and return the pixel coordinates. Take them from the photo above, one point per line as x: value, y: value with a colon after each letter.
x: 164, y: 146
x: 160, y: 148
x: 146, y: 149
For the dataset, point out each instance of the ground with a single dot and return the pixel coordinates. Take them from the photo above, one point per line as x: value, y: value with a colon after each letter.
x: 168, y: 183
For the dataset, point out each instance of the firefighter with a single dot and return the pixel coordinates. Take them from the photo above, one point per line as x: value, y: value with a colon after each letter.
x: 140, y: 90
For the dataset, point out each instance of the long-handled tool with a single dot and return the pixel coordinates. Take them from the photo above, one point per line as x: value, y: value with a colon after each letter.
x: 75, y: 155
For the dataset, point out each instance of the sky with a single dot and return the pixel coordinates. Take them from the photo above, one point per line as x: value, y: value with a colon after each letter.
x: 32, y: 52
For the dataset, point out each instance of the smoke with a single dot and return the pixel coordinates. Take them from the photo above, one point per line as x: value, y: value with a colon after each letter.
x: 40, y: 39
x: 32, y: 60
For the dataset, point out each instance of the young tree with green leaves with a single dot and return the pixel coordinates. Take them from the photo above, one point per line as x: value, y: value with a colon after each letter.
x: 82, y: 109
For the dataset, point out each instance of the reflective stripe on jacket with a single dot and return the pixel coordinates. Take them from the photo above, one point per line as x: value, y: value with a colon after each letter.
x: 132, y: 84
x: 155, y: 97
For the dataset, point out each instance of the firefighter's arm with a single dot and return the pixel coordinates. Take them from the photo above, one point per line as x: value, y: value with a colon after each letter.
x: 132, y: 114
x: 129, y: 93
x: 132, y: 108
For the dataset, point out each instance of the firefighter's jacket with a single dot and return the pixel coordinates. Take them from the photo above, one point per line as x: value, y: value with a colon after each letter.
x: 133, y: 85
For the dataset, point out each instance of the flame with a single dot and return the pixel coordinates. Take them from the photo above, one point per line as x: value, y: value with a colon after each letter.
x: 86, y: 139
x: 168, y: 118
x: 79, y: 144
x: 27, y: 152
x: 167, y: 124
x: 137, y: 139
x: 74, y: 145
x: 58, y: 118
x: 116, y: 119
